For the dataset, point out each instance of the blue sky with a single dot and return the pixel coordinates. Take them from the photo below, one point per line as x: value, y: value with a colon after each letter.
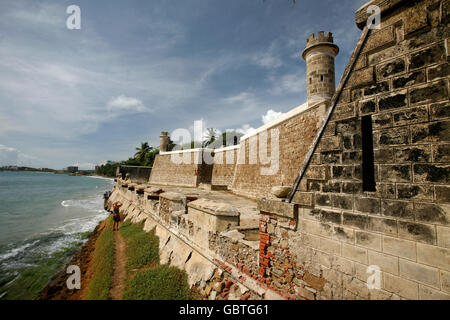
x: 138, y: 67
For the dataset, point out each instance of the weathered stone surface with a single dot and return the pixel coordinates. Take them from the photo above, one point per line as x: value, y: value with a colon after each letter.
x: 434, y: 92
x: 424, y: 173
x: 412, y: 115
x: 395, y: 173
x: 379, y: 87
x: 280, y: 208
x: 440, y: 111
x: 409, y: 80
x: 418, y: 192
x: 440, y: 71
x: 173, y: 196
x: 437, y: 131
x: 413, y: 154
x: 417, y: 231
x: 214, y: 207
x: 392, y: 101
x: 280, y: 191
x: 391, y: 68
x: 368, y: 106
x: 369, y: 205
x: 427, y: 56
x: 394, y: 137
x: 398, y: 209
x: 431, y: 213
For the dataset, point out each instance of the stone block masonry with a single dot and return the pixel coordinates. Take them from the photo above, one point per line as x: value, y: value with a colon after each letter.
x: 225, y: 160
x: 137, y: 174
x: 369, y: 172
x: 400, y: 80
x: 192, y: 172
x: 296, y: 133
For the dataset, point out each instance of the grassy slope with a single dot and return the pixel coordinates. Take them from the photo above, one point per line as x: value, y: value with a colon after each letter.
x: 147, y: 279
x: 142, y: 247
x: 103, y: 265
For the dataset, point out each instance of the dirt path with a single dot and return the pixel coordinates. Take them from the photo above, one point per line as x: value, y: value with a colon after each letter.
x: 120, y: 274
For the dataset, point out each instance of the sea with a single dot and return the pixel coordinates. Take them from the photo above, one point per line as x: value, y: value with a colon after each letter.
x: 44, y: 219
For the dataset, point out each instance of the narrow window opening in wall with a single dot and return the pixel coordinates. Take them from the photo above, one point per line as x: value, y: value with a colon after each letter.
x: 368, y: 168
x: 321, y: 77
x: 310, y: 80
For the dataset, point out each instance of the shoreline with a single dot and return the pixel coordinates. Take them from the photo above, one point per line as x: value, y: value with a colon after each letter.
x: 56, y: 288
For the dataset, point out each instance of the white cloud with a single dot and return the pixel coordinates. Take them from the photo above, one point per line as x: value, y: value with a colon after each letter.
x: 271, y: 115
x: 12, y: 157
x: 246, y: 129
x: 268, y: 59
x: 8, y: 156
x: 289, y: 83
x: 245, y: 100
x: 127, y: 104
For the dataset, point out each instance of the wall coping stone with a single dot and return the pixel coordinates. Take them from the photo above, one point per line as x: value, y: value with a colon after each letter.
x: 187, y: 150
x: 284, y: 117
x: 385, y: 7
x: 227, y: 148
x: 214, y: 208
x: 279, y: 208
x: 173, y: 196
x: 153, y: 190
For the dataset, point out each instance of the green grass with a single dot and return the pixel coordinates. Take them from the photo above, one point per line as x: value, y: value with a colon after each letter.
x: 147, y: 279
x: 142, y: 247
x: 160, y: 283
x: 103, y: 265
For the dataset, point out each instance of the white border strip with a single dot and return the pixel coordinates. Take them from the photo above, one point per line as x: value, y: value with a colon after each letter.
x: 227, y: 148
x: 187, y: 150
x: 286, y: 116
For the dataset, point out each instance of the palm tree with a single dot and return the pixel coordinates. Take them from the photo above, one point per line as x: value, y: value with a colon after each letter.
x: 210, y: 137
x: 142, y: 151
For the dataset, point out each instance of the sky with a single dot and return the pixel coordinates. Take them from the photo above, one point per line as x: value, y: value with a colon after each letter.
x: 139, y: 67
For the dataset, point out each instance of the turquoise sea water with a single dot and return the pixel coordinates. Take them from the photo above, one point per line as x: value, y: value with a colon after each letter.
x: 44, y: 219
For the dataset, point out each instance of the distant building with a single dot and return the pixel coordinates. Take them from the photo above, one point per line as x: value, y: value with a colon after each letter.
x: 72, y: 169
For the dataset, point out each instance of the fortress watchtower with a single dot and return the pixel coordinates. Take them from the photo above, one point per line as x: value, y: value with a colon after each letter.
x: 163, y: 141
x: 319, y: 56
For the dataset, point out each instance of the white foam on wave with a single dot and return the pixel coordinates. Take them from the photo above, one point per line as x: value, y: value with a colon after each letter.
x: 103, y: 178
x: 15, y: 251
x: 92, y: 204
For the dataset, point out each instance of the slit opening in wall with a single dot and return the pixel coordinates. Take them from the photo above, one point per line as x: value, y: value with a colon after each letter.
x: 368, y: 167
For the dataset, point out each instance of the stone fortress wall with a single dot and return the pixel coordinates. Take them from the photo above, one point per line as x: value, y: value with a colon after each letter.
x: 401, y: 222
x: 368, y: 172
x: 296, y: 131
x: 225, y: 160
x: 181, y: 168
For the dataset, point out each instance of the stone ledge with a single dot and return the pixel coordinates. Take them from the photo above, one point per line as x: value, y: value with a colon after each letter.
x: 214, y: 208
x: 173, y: 196
x: 279, y: 208
x: 385, y: 6
x: 132, y: 186
x: 153, y: 190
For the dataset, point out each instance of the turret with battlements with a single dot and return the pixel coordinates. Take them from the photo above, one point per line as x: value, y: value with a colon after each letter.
x: 319, y: 56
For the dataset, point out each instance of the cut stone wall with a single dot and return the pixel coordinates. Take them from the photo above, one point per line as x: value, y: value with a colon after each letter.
x: 401, y: 79
x: 191, y: 173
x: 224, y: 166
x: 137, y: 174
x: 295, y: 137
x: 186, y: 232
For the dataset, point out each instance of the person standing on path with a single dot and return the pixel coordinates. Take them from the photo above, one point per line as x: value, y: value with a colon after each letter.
x: 116, y: 215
